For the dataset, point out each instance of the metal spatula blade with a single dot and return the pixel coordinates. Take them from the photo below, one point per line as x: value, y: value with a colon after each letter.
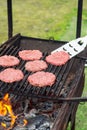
x: 73, y: 47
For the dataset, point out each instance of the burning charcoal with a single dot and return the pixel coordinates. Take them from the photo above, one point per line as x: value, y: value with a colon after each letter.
x: 32, y: 113
x: 2, y: 128
x: 21, y: 123
x: 39, y: 122
x: 44, y: 126
x: 1, y: 118
x: 7, y: 118
x: 20, y: 128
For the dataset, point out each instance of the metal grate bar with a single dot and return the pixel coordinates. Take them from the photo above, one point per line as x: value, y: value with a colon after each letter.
x: 35, y: 89
x: 23, y: 89
x: 2, y: 47
x: 65, y: 75
x: 10, y: 50
x: 29, y: 89
x: 6, y: 50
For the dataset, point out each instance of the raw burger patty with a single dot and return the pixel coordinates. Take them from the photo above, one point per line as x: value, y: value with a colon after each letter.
x: 58, y: 58
x: 41, y: 79
x: 8, y: 60
x: 10, y: 75
x: 36, y: 65
x: 30, y: 54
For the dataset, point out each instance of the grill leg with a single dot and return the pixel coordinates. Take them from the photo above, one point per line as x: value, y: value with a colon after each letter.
x: 79, y: 18
x: 10, y: 22
x: 73, y: 124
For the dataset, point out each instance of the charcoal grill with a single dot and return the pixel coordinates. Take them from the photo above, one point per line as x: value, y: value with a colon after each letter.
x: 70, y: 77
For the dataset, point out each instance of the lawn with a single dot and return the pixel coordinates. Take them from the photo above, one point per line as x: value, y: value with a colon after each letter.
x: 36, y: 18
x: 45, y: 19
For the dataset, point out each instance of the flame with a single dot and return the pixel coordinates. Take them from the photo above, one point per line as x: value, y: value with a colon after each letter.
x: 25, y: 122
x: 3, y: 124
x: 6, y: 108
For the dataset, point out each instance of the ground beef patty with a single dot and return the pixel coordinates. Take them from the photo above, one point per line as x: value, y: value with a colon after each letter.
x: 58, y: 58
x: 8, y: 60
x: 10, y: 75
x: 42, y: 79
x: 36, y: 65
x: 30, y: 54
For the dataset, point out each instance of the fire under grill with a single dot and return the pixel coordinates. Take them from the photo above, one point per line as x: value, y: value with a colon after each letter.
x: 26, y: 98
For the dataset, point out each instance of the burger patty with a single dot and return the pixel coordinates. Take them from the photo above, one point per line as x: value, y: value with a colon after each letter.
x: 11, y: 75
x: 8, y: 60
x: 30, y: 54
x: 42, y: 79
x: 58, y: 58
x: 36, y: 65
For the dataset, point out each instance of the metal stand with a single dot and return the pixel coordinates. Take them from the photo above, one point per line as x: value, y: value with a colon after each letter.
x: 10, y: 21
x: 79, y: 18
x: 73, y: 125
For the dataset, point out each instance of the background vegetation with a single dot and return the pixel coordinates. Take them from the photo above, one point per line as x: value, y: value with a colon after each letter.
x: 45, y: 19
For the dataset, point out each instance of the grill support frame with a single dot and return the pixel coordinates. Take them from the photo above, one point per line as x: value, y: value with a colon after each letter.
x: 79, y: 18
x: 78, y: 25
x: 10, y: 19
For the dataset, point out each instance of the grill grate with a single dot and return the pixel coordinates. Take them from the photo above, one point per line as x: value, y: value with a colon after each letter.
x: 23, y: 89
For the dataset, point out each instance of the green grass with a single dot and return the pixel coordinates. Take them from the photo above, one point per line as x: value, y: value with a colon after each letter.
x: 44, y: 19
x: 3, y: 21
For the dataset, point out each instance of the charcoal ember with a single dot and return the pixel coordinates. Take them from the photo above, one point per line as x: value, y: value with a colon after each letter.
x: 40, y: 122
x: 19, y: 124
x: 2, y: 128
x: 44, y: 126
x: 32, y: 113
x: 20, y: 121
x: 20, y: 128
x: 6, y: 120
